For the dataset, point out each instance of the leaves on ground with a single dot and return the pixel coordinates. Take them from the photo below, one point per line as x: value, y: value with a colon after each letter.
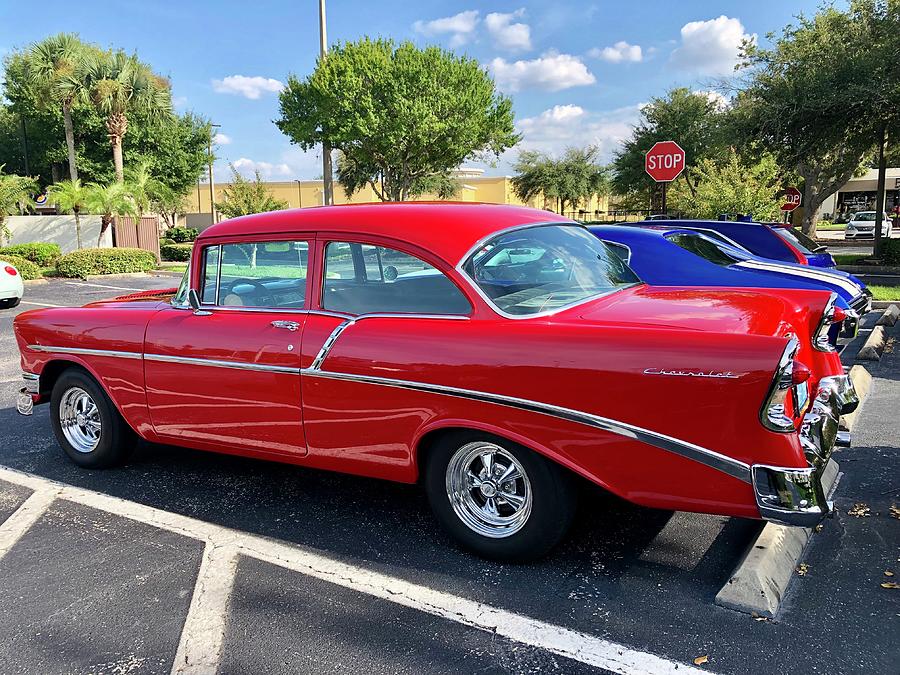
x: 888, y: 573
x: 859, y: 510
x: 890, y: 584
x: 802, y: 569
x: 895, y: 511
x: 700, y: 660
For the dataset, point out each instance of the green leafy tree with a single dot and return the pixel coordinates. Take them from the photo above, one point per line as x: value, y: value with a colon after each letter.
x: 731, y: 186
x: 569, y: 180
x: 70, y: 196
x: 15, y: 195
x: 143, y: 187
x: 52, y: 68
x: 117, y: 84
x: 398, y: 114
x: 110, y: 201
x: 244, y: 197
x: 691, y: 119
x: 168, y: 203
x: 823, y: 93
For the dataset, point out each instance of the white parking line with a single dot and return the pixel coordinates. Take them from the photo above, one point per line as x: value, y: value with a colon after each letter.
x: 202, y: 638
x: 39, y: 304
x: 12, y: 529
x: 115, y: 288
x: 570, y: 644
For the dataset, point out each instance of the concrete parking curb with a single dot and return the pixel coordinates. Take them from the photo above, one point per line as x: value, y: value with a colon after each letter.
x: 34, y: 282
x: 862, y: 383
x: 890, y: 316
x: 873, y: 346
x: 761, y: 579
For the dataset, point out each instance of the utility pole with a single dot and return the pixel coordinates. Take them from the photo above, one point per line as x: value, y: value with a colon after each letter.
x: 327, y: 186
x: 25, y: 144
x: 212, y: 183
x: 879, y: 195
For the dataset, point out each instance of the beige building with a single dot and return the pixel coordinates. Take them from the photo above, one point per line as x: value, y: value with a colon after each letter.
x: 859, y: 194
x: 474, y: 187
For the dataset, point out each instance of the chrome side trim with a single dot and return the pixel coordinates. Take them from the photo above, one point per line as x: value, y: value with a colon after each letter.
x: 215, y: 363
x: 328, y: 344
x: 715, y: 460
x: 85, y: 352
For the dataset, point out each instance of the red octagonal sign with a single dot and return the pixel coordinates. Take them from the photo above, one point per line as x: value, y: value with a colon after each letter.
x: 664, y: 161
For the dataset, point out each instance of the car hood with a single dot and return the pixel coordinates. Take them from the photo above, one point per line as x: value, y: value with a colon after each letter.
x: 722, y: 310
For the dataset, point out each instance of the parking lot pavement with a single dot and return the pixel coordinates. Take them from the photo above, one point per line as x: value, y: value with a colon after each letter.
x: 334, y: 572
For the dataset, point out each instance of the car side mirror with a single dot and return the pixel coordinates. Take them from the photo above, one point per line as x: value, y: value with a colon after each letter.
x: 194, y: 302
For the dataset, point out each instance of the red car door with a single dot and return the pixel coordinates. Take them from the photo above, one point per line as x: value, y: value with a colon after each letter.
x: 228, y: 377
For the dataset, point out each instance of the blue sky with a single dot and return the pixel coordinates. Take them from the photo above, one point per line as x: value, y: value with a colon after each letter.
x: 577, y: 71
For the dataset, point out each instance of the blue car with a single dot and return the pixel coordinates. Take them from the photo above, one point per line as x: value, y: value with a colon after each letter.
x: 763, y: 239
x: 676, y: 256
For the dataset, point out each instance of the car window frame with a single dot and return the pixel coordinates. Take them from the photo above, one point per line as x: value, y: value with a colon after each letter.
x: 325, y: 238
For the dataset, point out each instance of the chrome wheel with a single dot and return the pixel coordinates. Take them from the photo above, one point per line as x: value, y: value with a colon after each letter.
x: 79, y: 419
x: 488, y: 489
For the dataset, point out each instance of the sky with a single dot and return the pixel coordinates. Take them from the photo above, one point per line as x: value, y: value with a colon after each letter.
x: 577, y: 72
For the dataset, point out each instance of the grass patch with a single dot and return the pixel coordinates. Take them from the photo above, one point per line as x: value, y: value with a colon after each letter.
x: 885, y: 292
x: 848, y: 258
x: 173, y: 268
x: 830, y: 227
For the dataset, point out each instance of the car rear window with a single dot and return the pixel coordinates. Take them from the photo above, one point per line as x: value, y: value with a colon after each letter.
x: 702, y: 247
x: 798, y: 240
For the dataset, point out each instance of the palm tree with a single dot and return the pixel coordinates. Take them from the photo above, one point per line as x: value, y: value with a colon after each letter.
x: 109, y: 201
x: 52, y: 68
x: 15, y: 194
x: 144, y: 188
x: 70, y: 196
x: 117, y: 84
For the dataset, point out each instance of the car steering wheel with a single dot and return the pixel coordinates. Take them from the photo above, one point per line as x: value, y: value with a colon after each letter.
x: 262, y: 294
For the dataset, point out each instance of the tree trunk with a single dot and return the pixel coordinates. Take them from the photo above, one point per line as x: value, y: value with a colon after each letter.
x: 117, y: 158
x: 116, y: 127
x: 77, y: 227
x: 70, y: 141
x: 104, y: 225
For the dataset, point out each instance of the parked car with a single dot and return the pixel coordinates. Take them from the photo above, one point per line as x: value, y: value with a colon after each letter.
x: 862, y: 226
x: 682, y: 257
x: 11, y: 286
x: 497, y: 354
x: 776, y: 243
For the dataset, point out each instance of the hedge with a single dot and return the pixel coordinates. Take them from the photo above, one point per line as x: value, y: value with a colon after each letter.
x: 43, y: 255
x: 182, y: 235
x: 165, y: 241
x: 26, y: 268
x: 890, y: 251
x: 176, y: 252
x: 105, y: 261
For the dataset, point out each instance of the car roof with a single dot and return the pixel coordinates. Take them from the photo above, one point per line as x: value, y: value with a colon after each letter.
x: 447, y: 229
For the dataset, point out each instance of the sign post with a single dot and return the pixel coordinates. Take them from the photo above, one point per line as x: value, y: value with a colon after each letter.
x: 664, y: 162
x: 792, y: 199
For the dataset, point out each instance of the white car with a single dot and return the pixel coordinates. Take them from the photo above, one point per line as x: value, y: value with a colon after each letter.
x: 862, y: 226
x: 11, y: 286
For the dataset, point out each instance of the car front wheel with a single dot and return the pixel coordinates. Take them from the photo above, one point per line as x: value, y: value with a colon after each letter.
x: 86, y: 423
x: 497, y: 498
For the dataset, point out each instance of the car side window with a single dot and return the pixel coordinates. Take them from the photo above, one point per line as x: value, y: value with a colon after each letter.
x: 270, y: 274
x: 702, y: 247
x: 366, y: 279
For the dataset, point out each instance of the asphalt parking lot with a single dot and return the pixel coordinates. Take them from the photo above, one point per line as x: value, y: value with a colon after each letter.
x: 186, y: 561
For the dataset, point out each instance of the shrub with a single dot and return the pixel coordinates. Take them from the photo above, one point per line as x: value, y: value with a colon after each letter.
x: 105, y: 261
x: 44, y: 255
x: 165, y: 241
x: 181, y: 235
x: 890, y: 251
x: 176, y: 252
x: 26, y: 268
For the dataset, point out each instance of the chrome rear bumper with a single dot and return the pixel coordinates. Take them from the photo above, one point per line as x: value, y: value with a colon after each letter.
x: 796, y: 496
x: 27, y: 394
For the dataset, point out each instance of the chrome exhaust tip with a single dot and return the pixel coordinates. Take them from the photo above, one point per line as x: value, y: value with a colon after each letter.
x: 843, y: 439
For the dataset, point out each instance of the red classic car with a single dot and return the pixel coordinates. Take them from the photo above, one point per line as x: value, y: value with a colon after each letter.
x: 493, y: 353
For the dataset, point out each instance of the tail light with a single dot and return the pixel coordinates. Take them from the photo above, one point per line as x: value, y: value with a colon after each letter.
x: 11, y: 271
x: 830, y: 316
x: 789, y: 394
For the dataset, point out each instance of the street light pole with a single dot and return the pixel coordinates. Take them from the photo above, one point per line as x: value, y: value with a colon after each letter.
x: 327, y: 186
x: 212, y: 182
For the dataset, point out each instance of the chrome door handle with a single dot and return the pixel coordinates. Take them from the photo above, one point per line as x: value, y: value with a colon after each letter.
x: 287, y: 325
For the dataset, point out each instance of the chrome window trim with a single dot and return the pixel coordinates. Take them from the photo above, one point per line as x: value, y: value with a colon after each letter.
x: 473, y: 284
x: 85, y: 352
x: 616, y: 244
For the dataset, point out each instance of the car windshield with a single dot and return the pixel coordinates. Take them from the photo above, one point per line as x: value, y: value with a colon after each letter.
x: 180, y: 298
x: 701, y: 246
x: 798, y: 240
x: 865, y: 216
x: 539, y: 269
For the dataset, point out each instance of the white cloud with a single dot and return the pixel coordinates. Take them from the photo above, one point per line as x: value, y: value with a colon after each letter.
x: 460, y: 27
x: 550, y: 72
x: 506, y: 34
x: 720, y: 101
x: 179, y: 101
x: 248, y: 87
x: 710, y: 47
x: 248, y: 167
x: 621, y: 51
x: 565, y: 126
x: 221, y: 139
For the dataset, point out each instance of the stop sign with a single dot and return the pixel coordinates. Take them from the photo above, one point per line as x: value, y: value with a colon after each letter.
x: 792, y: 198
x: 664, y: 161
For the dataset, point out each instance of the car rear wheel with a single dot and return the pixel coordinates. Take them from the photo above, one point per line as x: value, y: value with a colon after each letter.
x: 86, y: 423
x: 497, y: 498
